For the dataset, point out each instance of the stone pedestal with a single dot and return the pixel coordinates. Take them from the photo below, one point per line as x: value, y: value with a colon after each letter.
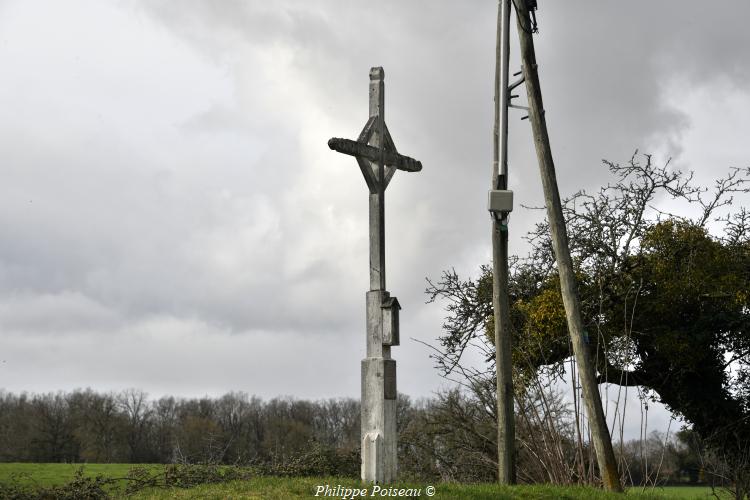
x: 379, y: 453
x: 379, y: 457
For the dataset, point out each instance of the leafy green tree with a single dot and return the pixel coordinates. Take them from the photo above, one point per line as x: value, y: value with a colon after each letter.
x: 666, y: 302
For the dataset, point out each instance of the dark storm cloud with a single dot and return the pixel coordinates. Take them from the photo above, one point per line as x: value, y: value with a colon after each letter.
x: 165, y: 169
x: 607, y: 66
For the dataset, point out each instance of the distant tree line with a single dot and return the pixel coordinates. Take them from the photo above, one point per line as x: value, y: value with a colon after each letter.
x: 448, y: 437
x: 127, y: 427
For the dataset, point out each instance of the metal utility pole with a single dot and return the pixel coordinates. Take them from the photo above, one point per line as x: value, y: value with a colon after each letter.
x: 506, y: 463
x: 586, y: 369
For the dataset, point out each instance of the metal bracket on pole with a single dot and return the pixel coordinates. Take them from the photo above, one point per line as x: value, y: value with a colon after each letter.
x: 525, y: 108
x: 511, y: 96
x: 516, y: 83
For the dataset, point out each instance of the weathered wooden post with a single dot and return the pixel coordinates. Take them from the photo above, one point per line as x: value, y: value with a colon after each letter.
x: 378, y: 159
x: 600, y: 436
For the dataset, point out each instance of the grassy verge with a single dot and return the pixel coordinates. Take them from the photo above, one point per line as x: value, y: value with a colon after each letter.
x: 44, y: 475
x: 686, y: 492
x: 60, y: 481
x: 290, y: 488
x: 21, y: 481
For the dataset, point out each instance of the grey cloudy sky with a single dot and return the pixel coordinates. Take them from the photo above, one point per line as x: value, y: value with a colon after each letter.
x: 171, y: 217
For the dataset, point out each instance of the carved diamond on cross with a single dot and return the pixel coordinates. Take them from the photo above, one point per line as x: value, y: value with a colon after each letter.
x: 374, y: 149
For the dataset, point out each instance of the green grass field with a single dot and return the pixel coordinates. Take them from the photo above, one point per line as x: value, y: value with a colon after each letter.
x: 58, y: 474
x: 281, y: 488
x: 259, y: 487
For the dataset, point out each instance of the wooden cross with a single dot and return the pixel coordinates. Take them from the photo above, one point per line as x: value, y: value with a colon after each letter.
x: 378, y: 160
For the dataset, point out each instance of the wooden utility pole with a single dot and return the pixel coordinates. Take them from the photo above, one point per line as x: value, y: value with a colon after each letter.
x: 506, y: 463
x: 586, y: 369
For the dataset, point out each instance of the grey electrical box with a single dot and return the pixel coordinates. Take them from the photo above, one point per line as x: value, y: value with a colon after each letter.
x: 500, y: 201
x: 390, y: 310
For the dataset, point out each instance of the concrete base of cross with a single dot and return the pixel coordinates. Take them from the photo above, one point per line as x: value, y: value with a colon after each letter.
x: 379, y: 451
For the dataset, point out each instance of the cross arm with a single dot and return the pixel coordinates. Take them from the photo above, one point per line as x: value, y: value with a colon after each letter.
x: 390, y: 158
